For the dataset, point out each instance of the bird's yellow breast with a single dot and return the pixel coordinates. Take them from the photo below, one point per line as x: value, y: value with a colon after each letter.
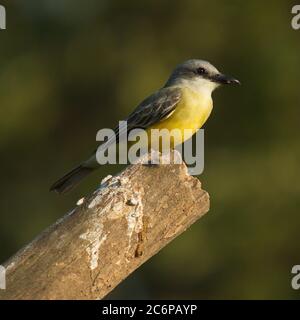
x: 191, y: 113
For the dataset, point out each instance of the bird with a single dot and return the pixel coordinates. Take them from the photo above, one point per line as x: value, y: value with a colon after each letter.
x: 184, y: 102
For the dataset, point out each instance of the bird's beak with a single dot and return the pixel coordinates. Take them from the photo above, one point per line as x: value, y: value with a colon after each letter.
x: 223, y: 79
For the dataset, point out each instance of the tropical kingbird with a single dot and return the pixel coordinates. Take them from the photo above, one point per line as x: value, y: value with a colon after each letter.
x: 184, y: 102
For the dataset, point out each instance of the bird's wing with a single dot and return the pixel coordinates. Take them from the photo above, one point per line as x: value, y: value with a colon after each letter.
x: 153, y: 109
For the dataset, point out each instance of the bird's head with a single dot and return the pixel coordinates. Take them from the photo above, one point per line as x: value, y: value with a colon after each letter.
x: 200, y: 74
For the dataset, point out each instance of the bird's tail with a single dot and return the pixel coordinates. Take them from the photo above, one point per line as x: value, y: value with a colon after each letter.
x: 71, y: 179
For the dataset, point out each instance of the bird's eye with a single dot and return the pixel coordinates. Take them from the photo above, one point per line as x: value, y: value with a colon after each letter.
x: 201, y: 71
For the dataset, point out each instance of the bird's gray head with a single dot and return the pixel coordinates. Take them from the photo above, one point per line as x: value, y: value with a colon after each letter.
x: 200, y: 74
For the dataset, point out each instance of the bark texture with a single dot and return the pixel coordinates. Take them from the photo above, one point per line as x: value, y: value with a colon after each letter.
x: 111, y: 233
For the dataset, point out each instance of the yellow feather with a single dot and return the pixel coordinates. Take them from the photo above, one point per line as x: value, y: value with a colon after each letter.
x: 191, y: 112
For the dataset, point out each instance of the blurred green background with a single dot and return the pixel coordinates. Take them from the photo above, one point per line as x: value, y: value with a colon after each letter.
x: 69, y: 68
